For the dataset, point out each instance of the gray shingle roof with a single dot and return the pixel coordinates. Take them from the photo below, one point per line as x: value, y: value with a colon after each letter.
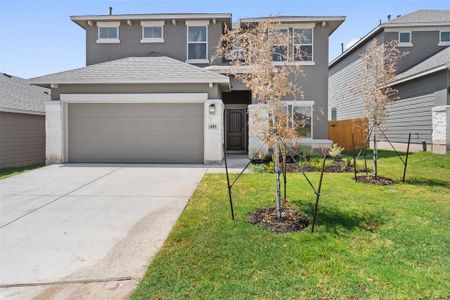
x: 17, y: 94
x: 159, y: 69
x: 424, y: 16
x: 440, y: 59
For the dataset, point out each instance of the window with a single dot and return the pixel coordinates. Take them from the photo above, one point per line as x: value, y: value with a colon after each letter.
x: 300, y: 49
x: 303, y: 44
x: 280, y: 51
x: 444, y: 38
x: 404, y: 39
x: 333, y: 114
x: 108, y: 32
x: 152, y: 31
x: 197, y: 41
x: 300, y: 114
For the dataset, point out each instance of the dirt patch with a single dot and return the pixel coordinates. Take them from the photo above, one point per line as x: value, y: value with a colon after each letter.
x: 291, y: 219
x: 379, y: 180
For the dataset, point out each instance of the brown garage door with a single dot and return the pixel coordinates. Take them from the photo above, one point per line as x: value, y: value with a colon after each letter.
x: 136, y: 133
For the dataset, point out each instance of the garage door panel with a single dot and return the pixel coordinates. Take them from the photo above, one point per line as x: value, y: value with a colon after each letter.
x: 146, y: 133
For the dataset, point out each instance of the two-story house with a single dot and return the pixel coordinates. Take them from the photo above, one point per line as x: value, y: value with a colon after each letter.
x: 423, y: 81
x: 153, y: 93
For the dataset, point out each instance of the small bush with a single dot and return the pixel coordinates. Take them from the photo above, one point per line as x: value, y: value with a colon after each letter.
x: 271, y: 167
x: 267, y: 159
x: 258, y: 168
x: 306, y: 151
x: 335, y: 151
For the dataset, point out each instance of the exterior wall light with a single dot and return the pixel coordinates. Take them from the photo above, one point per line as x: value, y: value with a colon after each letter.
x: 212, y: 109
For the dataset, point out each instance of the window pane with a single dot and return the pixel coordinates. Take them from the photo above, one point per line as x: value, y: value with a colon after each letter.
x: 197, y: 33
x: 152, y: 32
x: 279, y: 53
x: 445, y: 36
x: 197, y: 51
x: 113, y: 32
x: 103, y: 31
x: 302, y: 53
x: 303, y: 36
x: 405, y: 37
x: 302, y: 119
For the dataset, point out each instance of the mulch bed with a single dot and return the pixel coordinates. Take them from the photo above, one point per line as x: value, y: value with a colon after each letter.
x: 379, y: 180
x: 339, y: 166
x: 291, y: 219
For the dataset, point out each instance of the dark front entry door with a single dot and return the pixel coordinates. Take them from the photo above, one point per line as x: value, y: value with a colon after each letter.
x: 235, y: 134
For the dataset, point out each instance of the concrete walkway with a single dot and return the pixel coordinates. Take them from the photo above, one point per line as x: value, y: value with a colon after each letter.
x: 87, y: 231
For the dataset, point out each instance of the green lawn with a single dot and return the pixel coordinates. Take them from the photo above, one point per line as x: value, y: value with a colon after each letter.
x: 371, y: 242
x: 8, y: 172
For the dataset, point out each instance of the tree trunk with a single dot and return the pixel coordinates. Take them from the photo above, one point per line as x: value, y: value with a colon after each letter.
x: 375, y: 154
x: 277, y: 174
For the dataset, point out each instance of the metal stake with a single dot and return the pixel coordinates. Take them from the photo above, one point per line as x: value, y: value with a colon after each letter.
x: 228, y: 183
x: 318, y: 191
x: 406, y: 159
x: 354, y: 159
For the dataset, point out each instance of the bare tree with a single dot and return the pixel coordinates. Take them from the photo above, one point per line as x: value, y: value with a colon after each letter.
x: 374, y: 86
x: 261, y: 57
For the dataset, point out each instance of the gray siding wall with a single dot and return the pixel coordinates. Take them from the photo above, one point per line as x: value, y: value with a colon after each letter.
x: 174, y: 46
x: 213, y: 93
x: 412, y: 113
x: 22, y: 139
x: 425, y: 44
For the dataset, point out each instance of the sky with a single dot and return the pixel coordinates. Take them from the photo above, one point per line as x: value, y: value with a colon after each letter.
x: 37, y: 36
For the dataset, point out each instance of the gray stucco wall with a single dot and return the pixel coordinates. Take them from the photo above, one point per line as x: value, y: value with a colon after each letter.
x: 174, y: 45
x: 213, y: 93
x: 22, y: 139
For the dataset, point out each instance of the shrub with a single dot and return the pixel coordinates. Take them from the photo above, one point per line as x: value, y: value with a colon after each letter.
x: 335, y: 151
x: 271, y: 167
x: 258, y: 168
x: 306, y: 151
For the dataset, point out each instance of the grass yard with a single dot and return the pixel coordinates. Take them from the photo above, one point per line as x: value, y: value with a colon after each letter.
x: 8, y: 172
x: 371, y: 242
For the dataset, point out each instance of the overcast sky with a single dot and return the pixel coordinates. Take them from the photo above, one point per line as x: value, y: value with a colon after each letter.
x: 37, y: 36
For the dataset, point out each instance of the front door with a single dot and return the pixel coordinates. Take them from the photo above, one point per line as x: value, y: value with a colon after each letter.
x: 235, y: 129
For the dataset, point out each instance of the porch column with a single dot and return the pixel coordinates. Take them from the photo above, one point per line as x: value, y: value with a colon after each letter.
x: 254, y: 142
x: 441, y: 129
x: 213, y: 131
x: 54, y: 148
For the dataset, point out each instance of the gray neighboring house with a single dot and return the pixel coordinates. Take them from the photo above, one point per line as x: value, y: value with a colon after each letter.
x: 423, y: 81
x: 152, y: 91
x: 22, y: 122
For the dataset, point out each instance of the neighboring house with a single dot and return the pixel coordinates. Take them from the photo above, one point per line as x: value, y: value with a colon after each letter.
x: 423, y: 81
x: 22, y: 122
x: 153, y: 93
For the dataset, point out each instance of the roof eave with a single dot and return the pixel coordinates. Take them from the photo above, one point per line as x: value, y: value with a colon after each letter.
x: 421, y: 74
x: 48, y: 83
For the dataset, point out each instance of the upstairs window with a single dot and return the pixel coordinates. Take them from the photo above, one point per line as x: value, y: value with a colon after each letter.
x: 404, y: 39
x: 280, y: 51
x: 108, y: 32
x: 303, y: 44
x: 197, y: 41
x: 444, y: 38
x: 152, y: 31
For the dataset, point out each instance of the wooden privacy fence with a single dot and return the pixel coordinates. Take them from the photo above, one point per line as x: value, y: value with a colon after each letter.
x: 340, y: 132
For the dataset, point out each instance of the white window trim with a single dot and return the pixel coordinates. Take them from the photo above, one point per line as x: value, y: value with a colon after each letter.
x: 445, y: 43
x: 204, y: 23
x: 108, y: 24
x: 400, y: 44
x: 302, y: 103
x: 152, y: 24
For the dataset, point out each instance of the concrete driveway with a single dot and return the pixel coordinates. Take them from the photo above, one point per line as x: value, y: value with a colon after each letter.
x: 87, y: 231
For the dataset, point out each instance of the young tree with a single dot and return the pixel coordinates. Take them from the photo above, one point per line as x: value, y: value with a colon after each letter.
x: 379, y: 71
x: 261, y: 57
